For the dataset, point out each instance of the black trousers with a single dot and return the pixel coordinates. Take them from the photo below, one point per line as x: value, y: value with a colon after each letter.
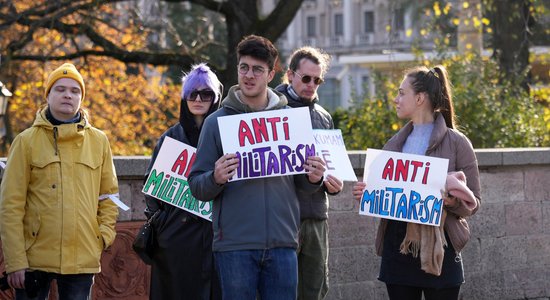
x: 403, y: 292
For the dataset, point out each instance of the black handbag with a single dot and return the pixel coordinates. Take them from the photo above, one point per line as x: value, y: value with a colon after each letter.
x: 145, y: 242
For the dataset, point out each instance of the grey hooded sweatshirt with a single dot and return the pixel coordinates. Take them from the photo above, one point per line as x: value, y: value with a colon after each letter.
x: 260, y: 213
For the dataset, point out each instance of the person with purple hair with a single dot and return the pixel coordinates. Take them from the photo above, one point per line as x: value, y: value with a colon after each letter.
x: 182, y: 266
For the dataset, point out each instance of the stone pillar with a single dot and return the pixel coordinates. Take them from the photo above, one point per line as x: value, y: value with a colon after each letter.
x: 348, y: 22
x: 470, y: 36
x: 291, y: 34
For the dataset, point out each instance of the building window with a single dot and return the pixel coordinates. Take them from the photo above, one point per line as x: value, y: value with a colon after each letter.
x: 399, y: 19
x: 338, y: 24
x: 365, y: 87
x: 311, y: 28
x: 369, y: 22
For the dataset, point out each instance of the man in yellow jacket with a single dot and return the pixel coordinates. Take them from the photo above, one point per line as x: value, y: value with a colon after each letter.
x: 56, y: 216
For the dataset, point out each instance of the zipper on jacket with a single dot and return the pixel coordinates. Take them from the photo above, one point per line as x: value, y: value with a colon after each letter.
x: 55, y: 139
x: 220, y: 220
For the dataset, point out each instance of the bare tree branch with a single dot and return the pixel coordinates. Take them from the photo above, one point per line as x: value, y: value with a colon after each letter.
x: 242, y: 17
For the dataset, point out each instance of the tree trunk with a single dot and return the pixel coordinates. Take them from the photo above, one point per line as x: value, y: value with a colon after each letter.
x: 511, y: 22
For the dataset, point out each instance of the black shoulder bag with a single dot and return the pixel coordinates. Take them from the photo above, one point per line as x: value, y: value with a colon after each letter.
x: 145, y: 242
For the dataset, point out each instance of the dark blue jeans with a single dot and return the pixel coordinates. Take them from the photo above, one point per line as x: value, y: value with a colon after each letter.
x: 270, y: 273
x: 69, y: 287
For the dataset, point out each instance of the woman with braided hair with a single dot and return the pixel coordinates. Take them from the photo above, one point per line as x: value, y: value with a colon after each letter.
x: 414, y: 260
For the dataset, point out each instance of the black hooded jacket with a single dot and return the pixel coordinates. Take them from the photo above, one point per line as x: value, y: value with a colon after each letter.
x: 182, y: 264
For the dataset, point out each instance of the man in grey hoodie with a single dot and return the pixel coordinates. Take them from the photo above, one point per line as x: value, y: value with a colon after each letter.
x: 255, y: 221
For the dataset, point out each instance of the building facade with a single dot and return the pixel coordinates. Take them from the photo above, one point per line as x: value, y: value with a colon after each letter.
x: 362, y: 36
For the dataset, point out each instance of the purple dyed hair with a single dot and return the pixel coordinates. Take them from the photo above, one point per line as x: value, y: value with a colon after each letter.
x: 200, y: 76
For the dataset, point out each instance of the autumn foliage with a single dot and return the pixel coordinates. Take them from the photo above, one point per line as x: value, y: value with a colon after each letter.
x: 132, y: 104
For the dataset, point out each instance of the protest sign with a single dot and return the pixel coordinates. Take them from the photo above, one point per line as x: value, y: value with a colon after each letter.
x: 268, y: 143
x: 404, y: 187
x: 329, y: 145
x: 167, y: 180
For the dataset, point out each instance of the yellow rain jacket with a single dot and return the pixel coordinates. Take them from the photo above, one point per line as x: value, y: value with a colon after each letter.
x: 51, y: 218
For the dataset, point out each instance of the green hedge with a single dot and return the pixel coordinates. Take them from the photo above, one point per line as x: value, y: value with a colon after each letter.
x: 491, y: 113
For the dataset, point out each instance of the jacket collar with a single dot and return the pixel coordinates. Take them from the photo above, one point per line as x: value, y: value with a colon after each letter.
x: 293, y: 99
x: 41, y: 120
x: 276, y: 100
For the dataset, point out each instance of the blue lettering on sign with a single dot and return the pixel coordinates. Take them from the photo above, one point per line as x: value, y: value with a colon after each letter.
x: 394, y: 203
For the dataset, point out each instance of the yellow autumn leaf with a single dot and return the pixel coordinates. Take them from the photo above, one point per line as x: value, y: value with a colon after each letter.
x: 465, y: 4
x: 127, y: 38
x: 447, y: 8
x: 477, y: 22
x: 437, y: 10
x: 408, y: 33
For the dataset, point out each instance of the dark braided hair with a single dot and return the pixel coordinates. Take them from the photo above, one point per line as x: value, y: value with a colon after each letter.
x: 435, y: 83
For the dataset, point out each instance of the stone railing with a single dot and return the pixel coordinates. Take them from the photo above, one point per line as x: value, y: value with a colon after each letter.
x: 508, y: 256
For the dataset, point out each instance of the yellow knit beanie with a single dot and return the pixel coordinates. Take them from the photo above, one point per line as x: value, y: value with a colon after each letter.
x: 66, y: 70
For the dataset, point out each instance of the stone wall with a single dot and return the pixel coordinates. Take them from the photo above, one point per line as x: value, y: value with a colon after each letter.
x: 508, y: 256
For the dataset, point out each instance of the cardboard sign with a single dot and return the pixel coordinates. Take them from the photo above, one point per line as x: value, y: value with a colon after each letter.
x: 269, y: 143
x: 168, y: 178
x: 331, y: 148
x: 404, y: 187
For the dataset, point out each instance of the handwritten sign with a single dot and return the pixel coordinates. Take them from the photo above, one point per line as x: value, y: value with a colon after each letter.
x: 168, y: 178
x: 404, y: 187
x: 269, y: 143
x: 331, y: 148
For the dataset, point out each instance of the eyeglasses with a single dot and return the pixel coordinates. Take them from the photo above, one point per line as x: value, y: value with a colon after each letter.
x: 204, y: 95
x: 306, y: 78
x: 256, y: 70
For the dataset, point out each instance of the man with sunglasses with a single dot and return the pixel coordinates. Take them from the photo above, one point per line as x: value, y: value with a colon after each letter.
x: 305, y: 73
x: 255, y: 221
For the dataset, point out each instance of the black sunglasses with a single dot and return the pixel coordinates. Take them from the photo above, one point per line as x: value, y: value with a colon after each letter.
x: 204, y: 95
x: 306, y: 78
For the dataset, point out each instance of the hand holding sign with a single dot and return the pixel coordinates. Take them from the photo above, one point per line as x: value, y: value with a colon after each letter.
x: 358, y: 189
x: 333, y: 184
x: 315, y: 167
x: 225, y: 168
